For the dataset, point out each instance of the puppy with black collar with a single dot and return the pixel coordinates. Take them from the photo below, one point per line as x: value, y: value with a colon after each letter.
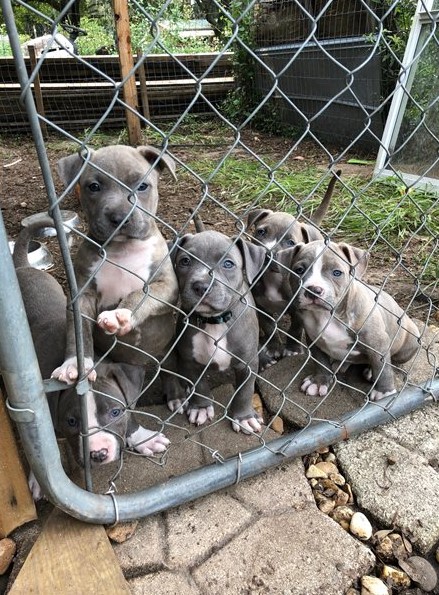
x: 218, y: 326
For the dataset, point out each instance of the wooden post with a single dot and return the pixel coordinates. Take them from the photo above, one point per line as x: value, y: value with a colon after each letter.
x: 16, y: 504
x: 126, y: 62
x: 143, y: 90
x: 37, y: 89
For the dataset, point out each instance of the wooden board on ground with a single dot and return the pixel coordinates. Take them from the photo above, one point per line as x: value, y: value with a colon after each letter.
x: 16, y: 504
x: 70, y: 557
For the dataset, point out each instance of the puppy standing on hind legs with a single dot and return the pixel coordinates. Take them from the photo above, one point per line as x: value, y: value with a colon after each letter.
x: 219, y: 329
x: 124, y: 273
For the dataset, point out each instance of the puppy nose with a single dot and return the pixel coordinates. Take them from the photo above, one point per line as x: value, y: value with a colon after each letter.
x: 98, y: 456
x: 313, y: 290
x: 119, y: 218
x: 201, y: 288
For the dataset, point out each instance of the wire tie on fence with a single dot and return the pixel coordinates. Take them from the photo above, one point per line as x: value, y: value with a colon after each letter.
x: 116, y: 508
x: 238, y: 469
x: 217, y: 456
x: 20, y: 415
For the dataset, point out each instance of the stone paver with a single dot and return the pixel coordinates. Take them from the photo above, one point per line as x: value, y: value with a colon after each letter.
x: 195, y: 530
x: 163, y: 583
x: 393, y: 484
x: 300, y: 553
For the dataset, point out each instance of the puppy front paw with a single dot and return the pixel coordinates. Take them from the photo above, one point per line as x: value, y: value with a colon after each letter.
x: 116, y: 322
x: 248, y: 425
x: 148, y: 442
x: 177, y: 405
x: 376, y: 395
x: 68, y: 371
x: 314, y: 387
x: 199, y: 415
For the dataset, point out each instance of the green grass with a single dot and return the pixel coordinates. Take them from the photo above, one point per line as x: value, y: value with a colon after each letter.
x: 382, y: 212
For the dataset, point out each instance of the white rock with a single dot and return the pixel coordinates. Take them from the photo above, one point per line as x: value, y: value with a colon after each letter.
x: 360, y: 526
x: 371, y: 585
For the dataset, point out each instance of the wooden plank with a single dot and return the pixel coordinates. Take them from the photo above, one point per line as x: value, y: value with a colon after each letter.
x: 69, y: 558
x: 16, y: 504
x: 126, y: 59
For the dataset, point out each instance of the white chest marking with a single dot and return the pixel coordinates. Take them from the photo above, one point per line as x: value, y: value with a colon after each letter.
x: 209, y: 348
x: 331, y: 336
x: 129, y: 269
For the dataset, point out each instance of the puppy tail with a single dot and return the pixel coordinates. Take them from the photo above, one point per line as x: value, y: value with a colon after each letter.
x: 320, y: 212
x: 21, y: 246
x: 198, y: 222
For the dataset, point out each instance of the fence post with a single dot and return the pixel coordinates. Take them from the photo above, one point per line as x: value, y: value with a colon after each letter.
x: 126, y: 62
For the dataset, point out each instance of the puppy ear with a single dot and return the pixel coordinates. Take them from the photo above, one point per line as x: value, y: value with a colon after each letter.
x: 309, y: 233
x: 151, y: 153
x: 254, y: 258
x: 176, y: 244
x: 129, y: 378
x: 69, y: 167
x: 356, y: 257
x: 256, y: 215
x: 284, y: 259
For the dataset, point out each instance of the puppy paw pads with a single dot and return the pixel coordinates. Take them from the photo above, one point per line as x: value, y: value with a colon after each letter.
x: 151, y: 443
x: 117, y: 322
x: 247, y: 426
x: 199, y: 415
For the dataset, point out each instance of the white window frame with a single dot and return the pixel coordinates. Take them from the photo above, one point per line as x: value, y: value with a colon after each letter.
x: 397, y: 108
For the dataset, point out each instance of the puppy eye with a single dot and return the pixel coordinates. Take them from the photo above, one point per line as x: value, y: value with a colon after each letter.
x: 228, y: 264
x: 142, y: 187
x: 184, y: 261
x: 94, y: 187
x: 115, y: 412
x: 337, y: 273
x: 261, y: 232
x: 290, y: 242
x: 299, y: 270
x: 72, y: 422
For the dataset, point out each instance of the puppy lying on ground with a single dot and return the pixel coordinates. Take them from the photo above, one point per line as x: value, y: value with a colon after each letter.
x: 219, y: 328
x: 111, y: 425
x: 276, y: 231
x: 124, y: 273
x: 347, y: 321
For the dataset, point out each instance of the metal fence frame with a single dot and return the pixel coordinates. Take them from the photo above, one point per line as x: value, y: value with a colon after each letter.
x: 28, y: 407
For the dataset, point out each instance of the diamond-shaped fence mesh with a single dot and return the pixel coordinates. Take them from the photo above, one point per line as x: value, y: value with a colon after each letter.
x: 245, y: 284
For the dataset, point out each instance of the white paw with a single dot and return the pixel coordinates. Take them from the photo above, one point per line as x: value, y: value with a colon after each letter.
x: 367, y: 374
x: 68, y: 371
x: 177, y: 405
x: 247, y: 426
x: 34, y: 486
x: 116, y: 322
x: 147, y: 442
x: 290, y: 352
x: 376, y: 395
x: 199, y: 415
x: 313, y: 389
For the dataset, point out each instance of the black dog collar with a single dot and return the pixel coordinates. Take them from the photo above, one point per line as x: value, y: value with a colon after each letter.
x: 220, y: 319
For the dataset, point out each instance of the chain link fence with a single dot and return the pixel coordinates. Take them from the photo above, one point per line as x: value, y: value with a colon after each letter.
x: 230, y: 307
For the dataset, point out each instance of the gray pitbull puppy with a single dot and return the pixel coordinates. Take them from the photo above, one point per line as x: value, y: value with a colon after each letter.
x: 219, y: 327
x: 111, y: 424
x: 347, y: 321
x: 277, y: 231
x: 123, y: 269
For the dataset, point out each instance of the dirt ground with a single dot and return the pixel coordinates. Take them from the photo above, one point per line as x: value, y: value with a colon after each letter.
x: 22, y: 193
